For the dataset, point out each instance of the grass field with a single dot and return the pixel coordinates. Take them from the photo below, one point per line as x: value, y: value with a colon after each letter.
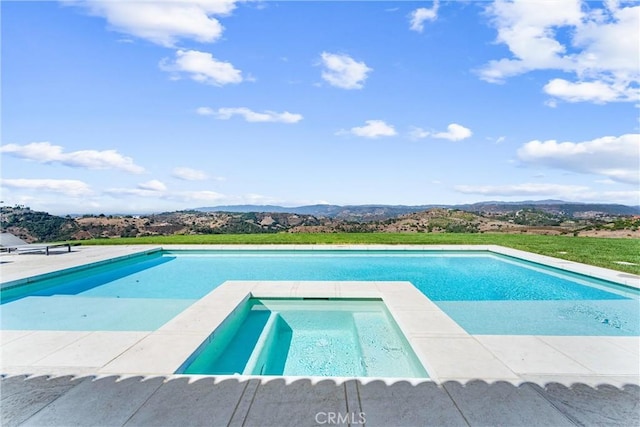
x: 598, y: 251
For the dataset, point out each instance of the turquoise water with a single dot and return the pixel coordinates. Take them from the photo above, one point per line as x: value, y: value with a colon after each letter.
x: 302, y: 338
x: 483, y: 292
x: 78, y: 313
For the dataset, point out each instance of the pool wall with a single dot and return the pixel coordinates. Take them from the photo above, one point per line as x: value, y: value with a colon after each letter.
x: 134, y: 256
x: 614, y: 276
x: 14, y: 273
x: 308, y: 336
x: 224, y: 332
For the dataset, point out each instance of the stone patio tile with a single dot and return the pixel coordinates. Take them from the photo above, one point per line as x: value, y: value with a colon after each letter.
x: 233, y: 286
x: 184, y: 402
x: 93, y: 350
x: 404, y: 404
x: 406, y: 297
x: 358, y: 290
x: 23, y: 396
x: 528, y: 354
x: 160, y: 353
x: 352, y: 396
x: 427, y: 323
x: 409, y: 303
x: 197, y: 319
x: 400, y: 288
x: 311, y: 289
x: 244, y: 404
x: 503, y: 404
x: 460, y: 358
x: 30, y: 348
x: 109, y: 401
x: 6, y: 336
x: 601, y: 359
x: 224, y: 296
x: 631, y: 344
x: 603, y: 405
x: 298, y: 403
x: 274, y: 289
x: 49, y: 370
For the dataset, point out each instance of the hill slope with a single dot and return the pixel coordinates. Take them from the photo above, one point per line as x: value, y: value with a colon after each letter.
x: 35, y: 226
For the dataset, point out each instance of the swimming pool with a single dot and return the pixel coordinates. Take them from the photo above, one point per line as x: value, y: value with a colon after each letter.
x: 308, y: 337
x: 485, y: 293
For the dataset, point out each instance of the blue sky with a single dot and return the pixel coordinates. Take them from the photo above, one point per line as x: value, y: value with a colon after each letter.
x: 112, y: 106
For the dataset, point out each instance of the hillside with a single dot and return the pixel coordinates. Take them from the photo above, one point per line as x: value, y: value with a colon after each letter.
x: 34, y: 226
x: 358, y: 213
x: 364, y: 213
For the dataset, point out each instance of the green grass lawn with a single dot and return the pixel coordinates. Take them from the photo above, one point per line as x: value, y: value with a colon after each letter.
x: 589, y: 250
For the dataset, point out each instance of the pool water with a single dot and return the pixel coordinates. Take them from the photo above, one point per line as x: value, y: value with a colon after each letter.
x: 296, y: 337
x: 484, y: 292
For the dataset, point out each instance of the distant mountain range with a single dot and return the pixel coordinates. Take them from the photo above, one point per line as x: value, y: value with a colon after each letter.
x: 380, y: 212
x: 535, y: 217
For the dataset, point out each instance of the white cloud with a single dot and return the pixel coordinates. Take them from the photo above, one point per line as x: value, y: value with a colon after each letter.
x: 616, y: 158
x: 372, y: 129
x: 158, y: 191
x: 418, y: 133
x: 343, y: 71
x: 202, y: 196
x: 455, y: 132
x: 575, y: 193
x: 527, y: 29
x: 201, y: 67
x: 422, y: 14
x: 598, y: 92
x: 68, y: 187
x: 153, y: 185
x: 602, y: 50
x: 260, y: 199
x: 250, y: 116
x: 631, y: 198
x: 526, y: 189
x: 45, y: 152
x: 188, y: 174
x: 135, y: 192
x: 205, y: 111
x: 607, y: 181
x: 162, y: 22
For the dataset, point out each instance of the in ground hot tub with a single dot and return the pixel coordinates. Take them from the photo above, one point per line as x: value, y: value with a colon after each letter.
x: 307, y: 337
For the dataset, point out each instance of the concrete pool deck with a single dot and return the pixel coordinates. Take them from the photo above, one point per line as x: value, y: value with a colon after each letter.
x: 117, y: 378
